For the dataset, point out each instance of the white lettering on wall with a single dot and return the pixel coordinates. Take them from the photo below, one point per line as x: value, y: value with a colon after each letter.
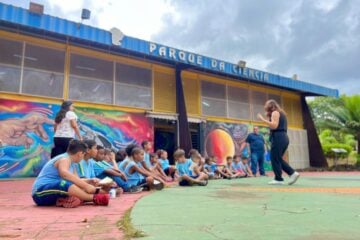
x: 152, y: 47
x: 162, y: 51
x: 182, y: 56
x: 172, y: 53
x: 222, y: 66
x: 191, y: 58
x: 213, y: 63
x: 199, y: 60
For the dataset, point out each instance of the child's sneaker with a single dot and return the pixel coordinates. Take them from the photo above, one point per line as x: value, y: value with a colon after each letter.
x: 101, y: 199
x: 134, y: 189
x: 203, y: 183
x: 68, y: 202
x: 158, y: 185
x: 293, y: 178
x: 276, y: 182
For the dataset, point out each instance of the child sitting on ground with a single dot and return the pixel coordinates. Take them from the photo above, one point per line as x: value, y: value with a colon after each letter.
x: 137, y: 175
x: 227, y: 169
x: 164, y: 162
x: 211, y: 169
x: 57, y: 185
x: 245, y: 166
x: 156, y: 168
x: 185, y: 176
x: 104, y: 169
x: 236, y: 166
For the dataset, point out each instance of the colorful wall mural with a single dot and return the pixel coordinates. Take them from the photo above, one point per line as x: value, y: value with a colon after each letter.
x: 26, y: 132
x: 228, y: 139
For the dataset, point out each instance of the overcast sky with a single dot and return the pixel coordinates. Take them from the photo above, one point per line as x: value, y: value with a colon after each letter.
x: 318, y: 40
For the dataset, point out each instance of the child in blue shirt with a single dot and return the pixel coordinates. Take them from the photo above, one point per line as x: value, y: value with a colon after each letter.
x: 186, y: 177
x: 57, y: 184
x: 236, y: 166
x: 245, y: 166
x: 164, y: 162
x: 137, y: 175
x: 104, y: 169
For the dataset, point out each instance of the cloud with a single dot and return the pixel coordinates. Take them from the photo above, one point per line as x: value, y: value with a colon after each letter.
x: 318, y: 40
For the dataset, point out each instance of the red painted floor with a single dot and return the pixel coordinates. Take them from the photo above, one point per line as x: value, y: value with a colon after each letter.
x: 20, y: 218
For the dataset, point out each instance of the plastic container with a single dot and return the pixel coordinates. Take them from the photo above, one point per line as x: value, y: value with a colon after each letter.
x: 112, y: 192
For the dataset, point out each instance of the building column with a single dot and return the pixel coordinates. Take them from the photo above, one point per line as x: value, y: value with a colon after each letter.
x: 184, y: 135
x: 316, y: 154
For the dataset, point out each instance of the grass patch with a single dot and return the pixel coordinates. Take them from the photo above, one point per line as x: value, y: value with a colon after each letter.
x: 126, y: 225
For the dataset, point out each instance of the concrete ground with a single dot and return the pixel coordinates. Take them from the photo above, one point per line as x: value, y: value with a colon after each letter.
x: 21, y: 219
x: 319, y: 206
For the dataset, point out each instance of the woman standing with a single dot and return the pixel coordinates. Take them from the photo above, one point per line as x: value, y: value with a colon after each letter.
x: 279, y: 142
x: 65, y: 128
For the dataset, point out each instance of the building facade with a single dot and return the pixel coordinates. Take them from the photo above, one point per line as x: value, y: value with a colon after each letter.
x: 127, y: 90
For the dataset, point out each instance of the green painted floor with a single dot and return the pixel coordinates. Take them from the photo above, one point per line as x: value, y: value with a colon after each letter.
x: 317, y: 207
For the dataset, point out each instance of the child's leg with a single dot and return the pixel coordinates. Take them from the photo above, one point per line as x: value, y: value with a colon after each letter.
x: 79, y: 193
x: 202, y: 176
x: 121, y: 183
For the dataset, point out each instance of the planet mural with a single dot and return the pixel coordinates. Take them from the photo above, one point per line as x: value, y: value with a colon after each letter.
x: 220, y: 144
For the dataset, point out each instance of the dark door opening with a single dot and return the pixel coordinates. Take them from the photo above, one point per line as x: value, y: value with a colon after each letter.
x: 195, y: 136
x: 165, y: 136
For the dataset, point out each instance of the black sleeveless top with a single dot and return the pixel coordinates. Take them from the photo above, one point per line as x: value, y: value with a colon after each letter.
x: 282, y: 127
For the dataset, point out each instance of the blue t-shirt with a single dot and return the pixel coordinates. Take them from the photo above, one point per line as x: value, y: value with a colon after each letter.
x: 164, y: 163
x: 184, y: 168
x: 85, y: 169
x: 236, y: 166
x: 123, y: 163
x: 49, y: 173
x: 133, y: 178
x: 256, y: 142
x: 100, y: 167
x: 244, y: 167
x: 147, y: 160
x: 212, y: 167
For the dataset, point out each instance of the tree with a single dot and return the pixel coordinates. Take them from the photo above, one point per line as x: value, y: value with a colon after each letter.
x: 342, y: 116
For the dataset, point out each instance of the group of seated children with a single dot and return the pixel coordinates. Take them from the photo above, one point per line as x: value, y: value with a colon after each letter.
x: 234, y: 168
x: 87, y: 172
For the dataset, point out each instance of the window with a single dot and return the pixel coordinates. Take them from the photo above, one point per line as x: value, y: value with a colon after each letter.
x: 91, y: 79
x: 275, y: 97
x: 238, y: 103
x: 10, y: 65
x: 258, y: 100
x: 213, y: 99
x: 43, y: 71
x: 133, y: 86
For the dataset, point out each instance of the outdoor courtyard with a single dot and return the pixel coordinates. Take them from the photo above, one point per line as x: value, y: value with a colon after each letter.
x: 320, y: 206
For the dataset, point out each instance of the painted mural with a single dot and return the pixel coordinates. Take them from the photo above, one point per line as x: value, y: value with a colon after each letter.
x: 228, y: 139
x: 26, y: 133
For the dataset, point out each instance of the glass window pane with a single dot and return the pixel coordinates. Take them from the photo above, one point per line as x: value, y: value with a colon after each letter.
x: 91, y: 67
x: 258, y: 98
x: 44, y: 58
x: 43, y: 71
x: 212, y: 107
x: 213, y: 90
x: 129, y: 95
x: 90, y: 90
x: 10, y: 63
x: 257, y: 109
x: 133, y: 75
x: 238, y: 94
x: 11, y: 52
x: 9, y: 78
x: 275, y: 97
x: 239, y: 110
x: 43, y: 83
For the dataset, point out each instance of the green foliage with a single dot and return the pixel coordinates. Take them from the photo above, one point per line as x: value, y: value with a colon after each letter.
x: 341, y: 115
x: 330, y: 154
